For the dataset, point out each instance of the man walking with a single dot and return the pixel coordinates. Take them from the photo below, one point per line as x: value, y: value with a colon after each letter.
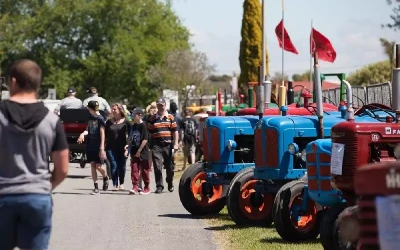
x: 189, y: 135
x: 164, y: 139
x: 173, y: 110
x: 94, y: 96
x: 69, y: 102
x: 29, y: 132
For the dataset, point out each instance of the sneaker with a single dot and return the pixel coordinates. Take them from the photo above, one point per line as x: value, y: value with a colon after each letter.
x: 140, y: 189
x: 121, y: 187
x: 159, y: 190
x: 134, y: 191
x: 95, y: 191
x: 145, y: 191
x: 171, y: 187
x: 105, y: 184
x: 115, y: 188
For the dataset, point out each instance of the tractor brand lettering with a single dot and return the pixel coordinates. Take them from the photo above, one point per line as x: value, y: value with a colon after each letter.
x: 390, y: 131
x: 374, y: 137
x: 392, y: 179
x: 338, y: 135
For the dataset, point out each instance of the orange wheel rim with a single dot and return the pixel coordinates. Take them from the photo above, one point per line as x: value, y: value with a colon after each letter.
x: 307, y: 221
x: 197, y: 190
x: 248, y: 207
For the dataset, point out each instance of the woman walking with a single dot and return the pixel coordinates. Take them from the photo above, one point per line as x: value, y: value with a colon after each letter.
x: 117, y: 129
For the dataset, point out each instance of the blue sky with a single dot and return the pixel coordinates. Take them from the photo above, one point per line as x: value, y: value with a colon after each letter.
x: 353, y: 27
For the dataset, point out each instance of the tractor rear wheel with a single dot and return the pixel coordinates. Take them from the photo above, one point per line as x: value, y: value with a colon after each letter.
x: 245, y: 205
x: 198, y: 196
x: 328, y: 226
x: 291, y: 223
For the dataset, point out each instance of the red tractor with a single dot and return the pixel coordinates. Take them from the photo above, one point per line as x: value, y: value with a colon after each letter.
x: 354, y: 145
x: 75, y: 122
x: 378, y: 186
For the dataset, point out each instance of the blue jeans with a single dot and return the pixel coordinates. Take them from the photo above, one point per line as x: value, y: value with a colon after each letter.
x: 117, y: 161
x: 25, y: 221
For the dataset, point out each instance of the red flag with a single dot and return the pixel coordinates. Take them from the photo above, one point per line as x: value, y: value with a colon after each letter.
x: 322, y: 45
x: 287, y: 42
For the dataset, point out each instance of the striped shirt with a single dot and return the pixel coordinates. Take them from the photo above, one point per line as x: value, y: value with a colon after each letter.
x: 161, y: 128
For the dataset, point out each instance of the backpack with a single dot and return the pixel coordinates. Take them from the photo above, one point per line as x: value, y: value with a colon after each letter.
x: 190, y: 127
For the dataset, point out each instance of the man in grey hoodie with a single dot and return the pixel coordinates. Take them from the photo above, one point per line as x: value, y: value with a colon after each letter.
x: 29, y: 133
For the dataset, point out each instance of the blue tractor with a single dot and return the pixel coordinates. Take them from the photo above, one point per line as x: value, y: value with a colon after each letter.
x: 228, y: 147
x: 280, y: 144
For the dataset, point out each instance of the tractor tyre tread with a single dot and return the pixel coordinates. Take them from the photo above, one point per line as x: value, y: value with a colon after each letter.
x: 186, y: 195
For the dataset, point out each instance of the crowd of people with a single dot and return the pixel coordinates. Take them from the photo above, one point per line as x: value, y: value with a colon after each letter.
x: 151, y: 137
x: 30, y: 134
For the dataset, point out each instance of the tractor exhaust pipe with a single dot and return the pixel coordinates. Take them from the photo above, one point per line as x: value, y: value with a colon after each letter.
x: 290, y: 92
x: 349, y: 100
x: 260, y: 106
x: 267, y: 90
x: 396, y: 85
x: 318, y: 96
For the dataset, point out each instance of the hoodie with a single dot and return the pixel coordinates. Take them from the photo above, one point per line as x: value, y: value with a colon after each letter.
x: 29, y: 132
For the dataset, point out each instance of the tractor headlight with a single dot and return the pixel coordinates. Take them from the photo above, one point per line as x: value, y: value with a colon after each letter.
x: 304, y: 155
x: 396, y: 151
x: 231, y: 145
x: 293, y: 148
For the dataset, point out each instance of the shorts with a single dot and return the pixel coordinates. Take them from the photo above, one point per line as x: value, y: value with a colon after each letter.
x: 189, y: 148
x: 94, y: 156
x: 25, y: 221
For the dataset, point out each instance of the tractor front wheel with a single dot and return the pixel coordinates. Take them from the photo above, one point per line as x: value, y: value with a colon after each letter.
x: 245, y: 205
x: 346, y: 229
x: 292, y: 222
x: 198, y: 196
x: 328, y: 226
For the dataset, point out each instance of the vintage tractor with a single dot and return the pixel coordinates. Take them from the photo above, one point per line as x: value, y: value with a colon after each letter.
x: 314, y: 189
x: 280, y: 158
x: 355, y: 144
x: 228, y: 147
x: 375, y: 223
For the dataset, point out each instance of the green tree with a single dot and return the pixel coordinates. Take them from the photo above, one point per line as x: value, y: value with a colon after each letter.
x: 250, y: 53
x: 103, y: 43
x: 379, y: 72
x: 302, y: 77
x: 388, y: 48
x: 395, y: 17
x: 181, y: 68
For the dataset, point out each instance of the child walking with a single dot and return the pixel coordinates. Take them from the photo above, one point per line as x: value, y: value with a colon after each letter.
x: 139, y: 150
x: 95, y: 153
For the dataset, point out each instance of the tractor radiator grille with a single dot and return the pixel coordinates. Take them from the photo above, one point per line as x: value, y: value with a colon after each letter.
x: 206, y: 150
x: 350, y: 161
x: 272, y: 148
x: 368, y: 224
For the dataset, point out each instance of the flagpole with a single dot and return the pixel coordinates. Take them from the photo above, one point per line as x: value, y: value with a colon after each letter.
x: 282, y: 88
x: 283, y: 42
x: 311, y: 54
x: 264, y: 53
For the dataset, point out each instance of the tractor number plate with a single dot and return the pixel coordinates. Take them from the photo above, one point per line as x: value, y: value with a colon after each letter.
x: 337, y: 158
x: 388, y: 218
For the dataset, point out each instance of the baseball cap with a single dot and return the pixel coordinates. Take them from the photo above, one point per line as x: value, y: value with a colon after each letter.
x: 161, y: 100
x: 137, y: 111
x: 71, y: 90
x: 93, y: 90
x: 93, y: 105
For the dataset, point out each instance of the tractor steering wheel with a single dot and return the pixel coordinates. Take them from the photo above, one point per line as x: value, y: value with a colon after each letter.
x: 371, y: 108
x: 359, y: 99
x: 315, y: 110
x: 329, y: 101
